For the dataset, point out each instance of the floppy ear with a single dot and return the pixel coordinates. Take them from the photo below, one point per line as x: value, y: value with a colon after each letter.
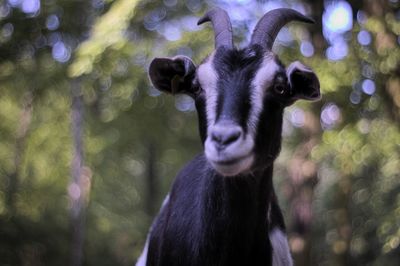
x: 303, y: 82
x: 172, y: 75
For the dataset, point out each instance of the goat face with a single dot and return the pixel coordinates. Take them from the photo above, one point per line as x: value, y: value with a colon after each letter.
x: 240, y: 96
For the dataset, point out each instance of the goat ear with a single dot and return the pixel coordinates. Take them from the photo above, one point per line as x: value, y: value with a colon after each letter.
x: 172, y: 75
x: 304, y: 84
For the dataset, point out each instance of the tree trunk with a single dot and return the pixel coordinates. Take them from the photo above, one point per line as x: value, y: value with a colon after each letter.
x: 21, y: 133
x: 302, y: 173
x: 78, y: 189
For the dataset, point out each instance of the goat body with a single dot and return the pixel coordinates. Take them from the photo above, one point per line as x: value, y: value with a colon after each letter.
x: 222, y: 209
x: 212, y: 220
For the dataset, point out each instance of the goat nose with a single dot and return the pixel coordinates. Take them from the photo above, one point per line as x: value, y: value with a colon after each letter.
x: 224, y: 136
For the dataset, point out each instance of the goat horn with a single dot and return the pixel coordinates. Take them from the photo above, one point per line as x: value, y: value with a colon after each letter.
x: 222, y: 26
x: 271, y: 23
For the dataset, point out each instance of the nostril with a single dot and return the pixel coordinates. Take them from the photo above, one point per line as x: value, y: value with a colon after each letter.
x: 226, y: 136
x: 231, y: 137
x: 216, y: 137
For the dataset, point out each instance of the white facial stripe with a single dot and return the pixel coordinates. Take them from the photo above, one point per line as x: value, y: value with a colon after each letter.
x: 261, y: 81
x: 208, y: 80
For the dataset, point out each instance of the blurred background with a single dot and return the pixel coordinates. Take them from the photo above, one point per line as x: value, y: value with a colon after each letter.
x: 88, y: 148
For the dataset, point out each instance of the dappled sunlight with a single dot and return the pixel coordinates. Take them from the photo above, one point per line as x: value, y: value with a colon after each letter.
x: 337, y: 21
x: 337, y: 176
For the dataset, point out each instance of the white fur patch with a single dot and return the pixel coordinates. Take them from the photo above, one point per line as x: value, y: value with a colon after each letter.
x: 208, y: 77
x: 260, y: 83
x: 143, y: 257
x: 280, y: 249
x: 142, y: 260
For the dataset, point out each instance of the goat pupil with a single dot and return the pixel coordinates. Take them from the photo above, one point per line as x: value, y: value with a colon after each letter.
x: 280, y: 89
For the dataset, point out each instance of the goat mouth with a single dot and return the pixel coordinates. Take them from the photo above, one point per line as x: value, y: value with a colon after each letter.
x: 233, y: 166
x: 231, y: 161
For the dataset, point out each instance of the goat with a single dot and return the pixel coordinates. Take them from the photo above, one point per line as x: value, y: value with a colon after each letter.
x: 222, y: 208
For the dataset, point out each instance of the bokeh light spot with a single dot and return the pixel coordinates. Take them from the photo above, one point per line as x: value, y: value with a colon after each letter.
x: 14, y: 3
x: 184, y: 103
x: 297, y: 117
x: 61, y: 52
x: 355, y: 97
x: 364, y: 37
x: 338, y: 17
x: 193, y: 5
x: 363, y: 126
x: 54, y: 38
x: 368, y: 71
x: 361, y: 17
x: 98, y: 4
x: 74, y: 191
x: 30, y: 6
x: 307, y: 49
x: 368, y: 87
x: 52, y: 22
x: 7, y: 30
x: 152, y: 19
x: 4, y: 10
x: 170, y: 3
x: 284, y: 36
x: 338, y: 50
x: 330, y: 115
x: 172, y: 32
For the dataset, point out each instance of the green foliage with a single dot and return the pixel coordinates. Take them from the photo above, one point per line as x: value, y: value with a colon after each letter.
x: 135, y: 140
x: 107, y: 33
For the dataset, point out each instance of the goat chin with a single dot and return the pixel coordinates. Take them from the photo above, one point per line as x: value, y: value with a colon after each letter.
x: 233, y: 167
x: 233, y: 160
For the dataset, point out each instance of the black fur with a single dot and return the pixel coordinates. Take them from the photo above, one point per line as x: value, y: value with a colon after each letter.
x: 212, y: 220
x: 236, y: 69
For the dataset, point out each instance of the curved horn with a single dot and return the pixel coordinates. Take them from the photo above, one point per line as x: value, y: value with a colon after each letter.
x: 271, y: 23
x: 222, y: 26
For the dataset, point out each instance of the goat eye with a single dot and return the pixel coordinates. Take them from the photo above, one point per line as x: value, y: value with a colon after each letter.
x: 280, y: 89
x: 196, y: 89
